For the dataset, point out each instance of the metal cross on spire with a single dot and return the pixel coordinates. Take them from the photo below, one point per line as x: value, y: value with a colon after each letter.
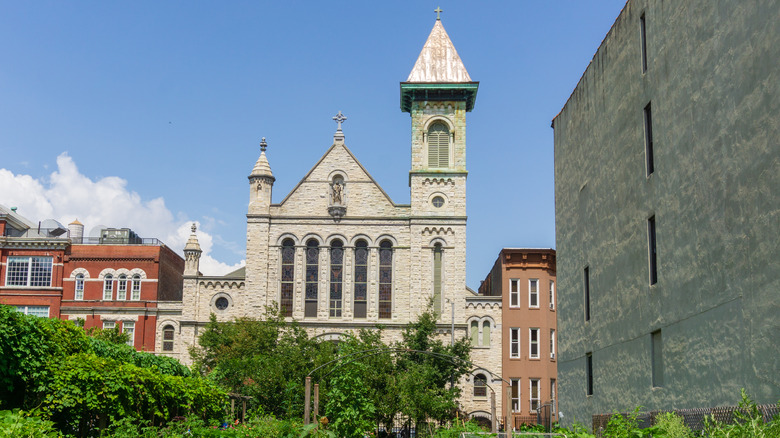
x: 340, y: 118
x: 263, y: 145
x: 438, y: 11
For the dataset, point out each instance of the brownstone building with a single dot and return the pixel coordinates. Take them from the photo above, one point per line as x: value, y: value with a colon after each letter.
x: 525, y: 281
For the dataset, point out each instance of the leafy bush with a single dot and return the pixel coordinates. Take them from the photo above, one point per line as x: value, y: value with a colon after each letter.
x: 17, y: 423
x: 749, y: 423
x: 670, y: 425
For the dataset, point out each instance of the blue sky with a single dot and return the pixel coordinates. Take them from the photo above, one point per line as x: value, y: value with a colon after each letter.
x: 148, y: 115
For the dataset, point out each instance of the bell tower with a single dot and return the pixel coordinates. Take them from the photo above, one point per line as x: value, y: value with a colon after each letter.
x: 437, y: 95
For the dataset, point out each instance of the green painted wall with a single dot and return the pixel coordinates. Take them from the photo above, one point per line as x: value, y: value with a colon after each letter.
x: 713, y: 79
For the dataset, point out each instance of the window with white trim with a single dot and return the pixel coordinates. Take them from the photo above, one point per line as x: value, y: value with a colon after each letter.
x: 109, y: 325
x: 553, y: 401
x: 129, y: 328
x: 552, y: 294
x: 534, y: 400
x: 79, y: 287
x: 42, y: 311
x: 533, y: 293
x: 515, y: 395
x: 135, y: 295
x: 533, y: 344
x: 108, y: 287
x: 121, y: 293
x: 28, y: 271
x: 514, y: 343
x: 514, y: 293
x: 552, y: 343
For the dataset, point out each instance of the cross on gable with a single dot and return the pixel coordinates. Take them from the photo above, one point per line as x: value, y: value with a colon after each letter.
x: 438, y: 11
x: 340, y: 118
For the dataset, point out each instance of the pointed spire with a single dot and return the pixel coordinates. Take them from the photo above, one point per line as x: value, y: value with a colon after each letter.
x: 192, y: 242
x: 262, y: 168
x: 439, y: 61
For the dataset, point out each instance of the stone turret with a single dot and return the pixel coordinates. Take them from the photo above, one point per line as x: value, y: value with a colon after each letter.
x: 261, y: 182
x: 192, y: 254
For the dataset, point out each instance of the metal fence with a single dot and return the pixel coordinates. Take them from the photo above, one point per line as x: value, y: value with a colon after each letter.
x: 694, y: 418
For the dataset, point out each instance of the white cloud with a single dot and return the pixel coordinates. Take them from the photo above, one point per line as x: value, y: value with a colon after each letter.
x: 69, y: 195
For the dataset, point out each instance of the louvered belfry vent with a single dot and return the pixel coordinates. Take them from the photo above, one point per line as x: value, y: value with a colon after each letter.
x: 438, y: 146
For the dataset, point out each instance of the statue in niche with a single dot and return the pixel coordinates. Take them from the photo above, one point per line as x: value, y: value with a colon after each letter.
x: 337, y: 194
x: 337, y: 208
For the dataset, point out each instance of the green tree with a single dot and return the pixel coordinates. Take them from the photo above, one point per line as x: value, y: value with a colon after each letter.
x: 265, y: 359
x: 424, y: 379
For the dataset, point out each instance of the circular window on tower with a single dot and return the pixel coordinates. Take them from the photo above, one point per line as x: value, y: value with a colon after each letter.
x: 437, y: 201
x: 222, y: 303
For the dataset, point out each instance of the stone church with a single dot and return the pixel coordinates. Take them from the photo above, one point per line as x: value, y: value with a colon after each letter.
x: 337, y: 254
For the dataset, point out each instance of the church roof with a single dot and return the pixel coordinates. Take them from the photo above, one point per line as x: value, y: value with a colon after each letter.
x: 438, y: 74
x: 438, y: 61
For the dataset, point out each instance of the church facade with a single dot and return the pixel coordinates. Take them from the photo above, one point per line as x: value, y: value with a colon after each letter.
x: 337, y: 254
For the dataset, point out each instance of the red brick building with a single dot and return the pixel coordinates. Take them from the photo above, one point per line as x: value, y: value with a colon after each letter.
x: 525, y: 279
x: 114, y: 280
x: 31, y: 263
x: 117, y: 280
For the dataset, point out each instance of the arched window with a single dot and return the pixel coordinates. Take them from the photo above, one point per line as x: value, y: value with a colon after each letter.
x: 486, y: 333
x: 168, y: 333
x: 336, y: 277
x: 79, y: 287
x: 385, y: 279
x: 108, y: 287
x: 480, y: 386
x: 312, y: 264
x: 437, y: 253
x: 361, y: 278
x: 288, y: 276
x: 135, y: 295
x: 475, y: 333
x: 438, y: 145
x: 121, y: 293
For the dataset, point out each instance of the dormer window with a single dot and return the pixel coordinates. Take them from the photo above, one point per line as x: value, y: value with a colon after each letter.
x: 438, y: 145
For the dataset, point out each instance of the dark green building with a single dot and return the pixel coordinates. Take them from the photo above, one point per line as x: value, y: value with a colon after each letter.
x: 667, y: 207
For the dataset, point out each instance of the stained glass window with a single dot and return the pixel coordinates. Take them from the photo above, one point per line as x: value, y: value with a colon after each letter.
x: 312, y: 264
x: 336, y: 278
x: 361, y: 278
x: 385, y: 279
x: 288, y: 276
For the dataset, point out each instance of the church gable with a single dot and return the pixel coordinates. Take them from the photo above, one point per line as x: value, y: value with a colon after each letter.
x: 338, y: 180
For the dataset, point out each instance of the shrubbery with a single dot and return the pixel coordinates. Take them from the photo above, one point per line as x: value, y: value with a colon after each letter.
x: 82, y: 384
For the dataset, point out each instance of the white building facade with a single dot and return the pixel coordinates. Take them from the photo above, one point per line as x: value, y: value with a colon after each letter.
x: 337, y: 254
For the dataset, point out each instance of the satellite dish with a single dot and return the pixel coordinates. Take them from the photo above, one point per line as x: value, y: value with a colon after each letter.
x: 96, y: 231
x: 53, y: 228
